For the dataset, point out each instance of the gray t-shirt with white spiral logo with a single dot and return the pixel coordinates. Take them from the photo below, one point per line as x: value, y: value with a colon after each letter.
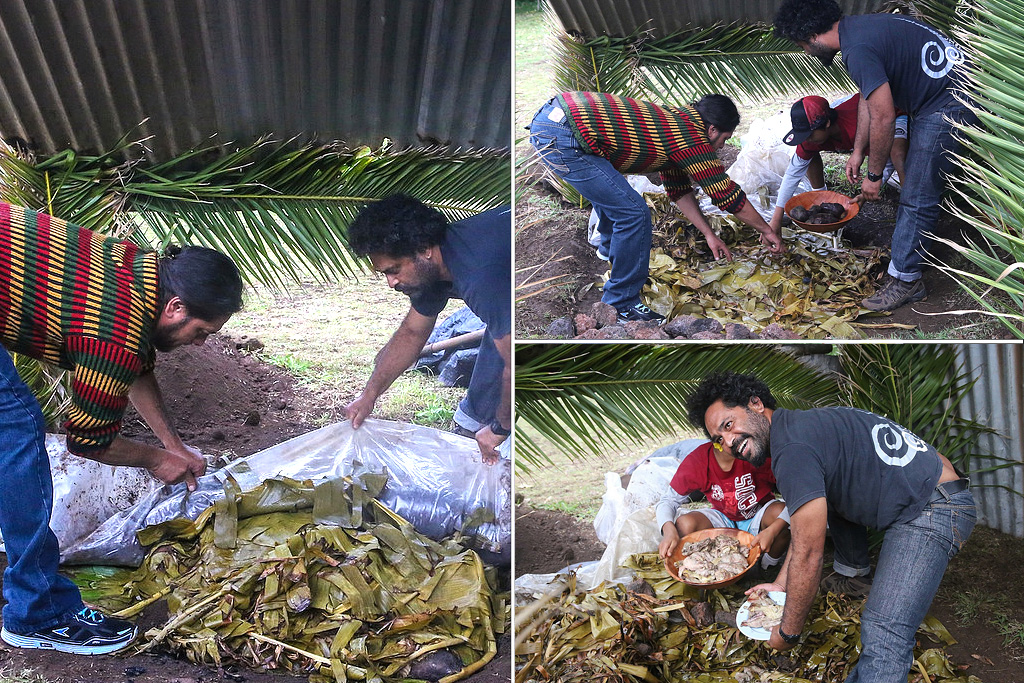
x: 921, y: 65
x: 870, y: 470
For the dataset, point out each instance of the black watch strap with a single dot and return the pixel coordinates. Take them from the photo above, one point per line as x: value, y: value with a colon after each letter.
x: 499, y: 430
x: 874, y: 177
x: 790, y: 640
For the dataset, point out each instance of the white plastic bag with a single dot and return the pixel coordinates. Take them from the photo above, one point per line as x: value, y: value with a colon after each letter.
x: 641, y: 184
x: 435, y: 480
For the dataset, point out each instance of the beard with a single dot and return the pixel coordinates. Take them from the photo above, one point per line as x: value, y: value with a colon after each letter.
x: 825, y: 55
x: 758, y: 439
x: 163, y: 338
x: 428, y: 273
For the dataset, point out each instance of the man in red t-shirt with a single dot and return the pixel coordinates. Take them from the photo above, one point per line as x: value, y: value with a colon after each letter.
x: 820, y: 127
x: 742, y: 497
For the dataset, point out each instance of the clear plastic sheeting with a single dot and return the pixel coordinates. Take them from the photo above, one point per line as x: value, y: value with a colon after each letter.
x: 626, y: 523
x: 436, y: 481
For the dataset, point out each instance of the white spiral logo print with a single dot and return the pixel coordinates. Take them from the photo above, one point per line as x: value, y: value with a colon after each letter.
x: 938, y: 60
x: 896, y: 446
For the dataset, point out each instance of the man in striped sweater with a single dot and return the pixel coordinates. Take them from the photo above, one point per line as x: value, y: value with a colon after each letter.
x: 97, y: 307
x: 590, y: 139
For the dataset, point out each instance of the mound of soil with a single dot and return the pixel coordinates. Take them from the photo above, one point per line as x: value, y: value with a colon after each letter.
x: 984, y: 573
x: 228, y: 403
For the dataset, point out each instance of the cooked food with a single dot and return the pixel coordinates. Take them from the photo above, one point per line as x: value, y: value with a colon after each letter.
x: 713, y: 559
x: 819, y: 214
x: 764, y: 612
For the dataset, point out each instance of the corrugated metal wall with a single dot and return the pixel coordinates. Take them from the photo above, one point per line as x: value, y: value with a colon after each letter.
x: 82, y: 73
x: 619, y: 18
x: 998, y: 401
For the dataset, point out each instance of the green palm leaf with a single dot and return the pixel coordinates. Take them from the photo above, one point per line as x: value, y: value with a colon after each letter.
x: 582, y: 398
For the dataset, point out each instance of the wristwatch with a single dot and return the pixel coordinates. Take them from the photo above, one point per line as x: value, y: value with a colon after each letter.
x: 790, y: 640
x: 499, y: 430
x: 874, y: 177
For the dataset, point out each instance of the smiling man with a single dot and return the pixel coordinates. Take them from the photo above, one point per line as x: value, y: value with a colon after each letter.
x: 590, y: 139
x: 852, y: 470
x: 431, y: 261
x: 97, y: 307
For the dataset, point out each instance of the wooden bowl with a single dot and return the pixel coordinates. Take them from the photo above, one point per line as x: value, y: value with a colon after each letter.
x: 809, y: 199
x: 677, y: 555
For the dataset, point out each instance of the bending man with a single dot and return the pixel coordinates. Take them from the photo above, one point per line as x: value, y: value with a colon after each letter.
x: 430, y: 260
x: 590, y: 139
x: 97, y: 307
x: 849, y: 469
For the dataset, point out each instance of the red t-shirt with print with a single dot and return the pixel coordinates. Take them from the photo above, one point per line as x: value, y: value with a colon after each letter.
x: 738, y: 494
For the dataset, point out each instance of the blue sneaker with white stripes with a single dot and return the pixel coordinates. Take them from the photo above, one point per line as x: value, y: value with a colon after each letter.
x: 88, y: 632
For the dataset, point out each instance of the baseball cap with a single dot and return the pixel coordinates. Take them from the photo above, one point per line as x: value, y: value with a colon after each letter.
x: 808, y: 114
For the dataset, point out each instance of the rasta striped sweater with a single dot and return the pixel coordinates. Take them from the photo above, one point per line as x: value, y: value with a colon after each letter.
x: 641, y: 137
x: 84, y: 302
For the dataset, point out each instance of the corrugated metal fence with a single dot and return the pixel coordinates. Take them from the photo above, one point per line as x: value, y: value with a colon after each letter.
x: 82, y: 73
x: 998, y: 401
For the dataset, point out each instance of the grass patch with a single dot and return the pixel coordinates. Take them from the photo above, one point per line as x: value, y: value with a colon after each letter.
x: 327, y: 337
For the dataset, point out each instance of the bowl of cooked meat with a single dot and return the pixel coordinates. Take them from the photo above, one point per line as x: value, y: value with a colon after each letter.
x: 821, y: 210
x: 713, y: 558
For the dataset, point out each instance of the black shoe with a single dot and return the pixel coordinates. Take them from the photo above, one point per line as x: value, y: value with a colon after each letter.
x: 895, y: 293
x: 89, y: 632
x: 857, y: 587
x: 639, y: 312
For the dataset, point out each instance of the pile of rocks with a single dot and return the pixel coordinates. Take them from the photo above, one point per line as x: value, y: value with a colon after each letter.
x: 602, y: 323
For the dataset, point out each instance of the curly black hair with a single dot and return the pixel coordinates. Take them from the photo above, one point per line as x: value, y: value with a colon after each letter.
x: 801, y: 20
x: 396, y: 226
x: 733, y: 388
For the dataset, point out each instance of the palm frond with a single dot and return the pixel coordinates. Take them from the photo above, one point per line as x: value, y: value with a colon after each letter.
x: 583, y: 398
x: 990, y: 170
x: 280, y: 211
x: 48, y: 384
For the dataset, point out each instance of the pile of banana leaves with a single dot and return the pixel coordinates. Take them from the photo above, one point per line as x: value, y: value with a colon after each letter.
x: 813, y: 289
x: 322, y: 580
x: 614, y: 635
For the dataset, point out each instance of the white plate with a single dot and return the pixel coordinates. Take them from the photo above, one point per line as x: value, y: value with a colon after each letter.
x: 743, y: 613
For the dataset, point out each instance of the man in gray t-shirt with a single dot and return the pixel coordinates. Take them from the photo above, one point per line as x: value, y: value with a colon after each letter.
x: 845, y: 469
x: 896, y: 62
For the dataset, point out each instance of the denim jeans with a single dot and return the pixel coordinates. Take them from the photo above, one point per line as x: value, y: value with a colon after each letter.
x: 912, y: 561
x: 480, y: 404
x: 37, y: 596
x: 850, y: 546
x: 929, y: 162
x: 625, y: 225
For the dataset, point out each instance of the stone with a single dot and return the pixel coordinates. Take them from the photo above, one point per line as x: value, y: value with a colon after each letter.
x: 649, y: 333
x: 561, y: 328
x: 604, y: 314
x: 711, y: 336
x: 592, y: 333
x: 250, y: 345
x: 679, y: 326
x: 613, y: 332
x: 737, y: 331
x: 584, y: 323
x: 703, y: 614
x: 777, y: 331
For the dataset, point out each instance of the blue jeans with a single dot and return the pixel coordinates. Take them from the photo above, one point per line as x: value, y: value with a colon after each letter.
x: 480, y: 404
x: 912, y: 561
x: 929, y: 162
x: 37, y: 596
x: 625, y: 225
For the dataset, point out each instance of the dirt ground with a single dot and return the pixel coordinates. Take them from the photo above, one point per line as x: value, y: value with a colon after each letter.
x: 552, y: 250
x: 228, y: 404
x: 984, y: 572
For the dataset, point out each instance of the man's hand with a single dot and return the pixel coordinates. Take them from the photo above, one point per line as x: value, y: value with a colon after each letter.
x: 173, y: 466
x: 360, y: 408
x: 669, y: 540
x: 869, y: 190
x: 772, y: 238
x: 768, y: 587
x: 718, y: 248
x: 488, y: 443
x: 853, y: 165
